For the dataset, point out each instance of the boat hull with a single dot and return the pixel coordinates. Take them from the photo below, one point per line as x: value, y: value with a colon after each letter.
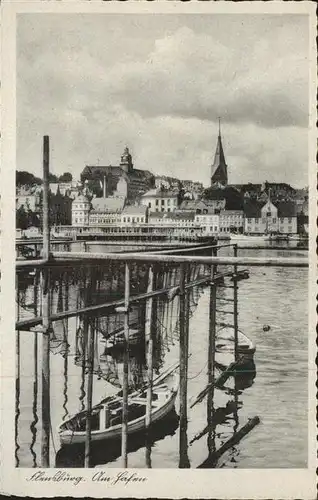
x: 69, y: 437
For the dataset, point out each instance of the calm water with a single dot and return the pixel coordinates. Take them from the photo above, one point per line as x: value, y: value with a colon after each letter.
x: 277, y: 393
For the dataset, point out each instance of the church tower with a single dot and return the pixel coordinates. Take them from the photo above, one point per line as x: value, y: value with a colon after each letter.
x: 126, y: 161
x: 219, y: 167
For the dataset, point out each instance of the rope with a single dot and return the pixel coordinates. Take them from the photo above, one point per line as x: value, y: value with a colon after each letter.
x: 195, y: 376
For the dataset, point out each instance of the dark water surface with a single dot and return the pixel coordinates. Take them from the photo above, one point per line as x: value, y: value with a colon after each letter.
x: 277, y: 393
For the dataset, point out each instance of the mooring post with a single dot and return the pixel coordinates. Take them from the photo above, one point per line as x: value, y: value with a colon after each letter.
x: 212, y: 323
x: 183, y: 356
x: 46, y: 411
x: 149, y: 348
x: 91, y: 334
x: 235, y: 311
x: 124, y: 433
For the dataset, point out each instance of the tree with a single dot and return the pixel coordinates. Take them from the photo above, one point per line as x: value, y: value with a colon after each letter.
x: 53, y: 178
x: 22, y: 220
x: 24, y: 178
x: 66, y: 177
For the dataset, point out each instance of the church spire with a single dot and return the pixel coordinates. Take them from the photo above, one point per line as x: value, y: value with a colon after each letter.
x: 219, y: 167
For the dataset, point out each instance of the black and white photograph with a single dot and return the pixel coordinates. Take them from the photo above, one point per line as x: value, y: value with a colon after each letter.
x: 162, y: 229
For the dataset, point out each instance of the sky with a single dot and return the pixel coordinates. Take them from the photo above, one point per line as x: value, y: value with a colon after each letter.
x: 96, y: 83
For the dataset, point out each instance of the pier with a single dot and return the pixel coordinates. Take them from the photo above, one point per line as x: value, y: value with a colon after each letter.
x: 114, y: 298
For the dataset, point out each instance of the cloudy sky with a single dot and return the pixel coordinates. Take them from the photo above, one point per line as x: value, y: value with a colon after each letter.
x: 157, y: 83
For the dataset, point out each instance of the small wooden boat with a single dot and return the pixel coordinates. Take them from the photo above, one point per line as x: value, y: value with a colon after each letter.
x: 106, y: 417
x: 134, y: 336
x: 224, y: 347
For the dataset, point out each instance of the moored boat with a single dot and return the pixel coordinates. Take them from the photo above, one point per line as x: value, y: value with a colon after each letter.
x: 224, y: 348
x: 106, y: 416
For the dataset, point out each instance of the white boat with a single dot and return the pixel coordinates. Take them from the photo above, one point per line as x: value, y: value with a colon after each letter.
x: 106, y: 417
x: 224, y: 347
x: 249, y: 238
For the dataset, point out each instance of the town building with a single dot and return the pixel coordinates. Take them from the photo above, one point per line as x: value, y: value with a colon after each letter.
x: 138, y: 181
x: 134, y: 214
x: 160, y: 200
x: 219, y: 166
x: 81, y: 207
x: 105, y: 211
x: 204, y: 206
x: 231, y: 221
x: 269, y: 218
x: 70, y: 189
x: 209, y: 223
x: 27, y: 201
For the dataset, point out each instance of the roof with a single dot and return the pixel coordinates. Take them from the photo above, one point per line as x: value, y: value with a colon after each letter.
x: 219, y: 167
x: 156, y: 193
x: 157, y: 215
x: 252, y: 208
x: 135, y: 210
x: 181, y: 215
x: 110, y: 204
x: 81, y: 198
x: 286, y: 209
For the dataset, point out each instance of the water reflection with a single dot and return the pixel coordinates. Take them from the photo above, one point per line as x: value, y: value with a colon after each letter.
x: 33, y: 426
x: 217, y: 417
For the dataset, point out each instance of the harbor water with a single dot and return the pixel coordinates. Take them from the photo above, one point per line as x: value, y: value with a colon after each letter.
x: 273, y: 297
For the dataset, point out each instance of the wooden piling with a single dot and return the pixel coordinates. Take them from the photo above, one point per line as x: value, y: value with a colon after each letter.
x: 235, y: 309
x: 149, y: 348
x: 91, y: 335
x: 183, y: 357
x: 46, y: 410
x: 124, y: 435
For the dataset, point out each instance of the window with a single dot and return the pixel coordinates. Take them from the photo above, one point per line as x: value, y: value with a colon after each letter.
x: 282, y: 220
x: 249, y: 220
x: 149, y: 205
x: 124, y: 219
x: 168, y: 209
x: 215, y: 228
x: 157, y: 202
x: 256, y: 221
x: 162, y: 210
x: 269, y: 214
x: 162, y: 202
x: 211, y: 229
x: 274, y: 220
x: 289, y: 220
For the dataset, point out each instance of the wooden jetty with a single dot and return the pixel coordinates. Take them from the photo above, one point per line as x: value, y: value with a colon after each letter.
x: 181, y: 260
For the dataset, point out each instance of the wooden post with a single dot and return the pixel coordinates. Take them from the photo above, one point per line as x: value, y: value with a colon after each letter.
x: 149, y: 348
x: 212, y: 324
x: 46, y: 411
x: 125, y: 371
x: 235, y: 312
x: 183, y: 356
x: 91, y: 334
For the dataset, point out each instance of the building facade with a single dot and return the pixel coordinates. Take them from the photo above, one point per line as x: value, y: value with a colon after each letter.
x: 209, y: 223
x: 232, y: 221
x: 160, y: 200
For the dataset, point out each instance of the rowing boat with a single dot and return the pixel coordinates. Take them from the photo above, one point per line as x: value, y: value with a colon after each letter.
x: 106, y: 417
x: 225, y: 347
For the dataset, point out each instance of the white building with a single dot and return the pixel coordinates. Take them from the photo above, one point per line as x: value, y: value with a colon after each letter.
x: 160, y: 200
x: 231, y: 221
x: 268, y: 218
x: 27, y: 201
x: 134, y: 215
x: 209, y: 223
x: 81, y: 207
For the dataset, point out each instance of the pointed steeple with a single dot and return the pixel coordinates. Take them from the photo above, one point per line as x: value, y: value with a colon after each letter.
x: 219, y: 167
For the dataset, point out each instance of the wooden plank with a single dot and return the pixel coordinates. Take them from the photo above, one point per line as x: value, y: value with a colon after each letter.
x: 211, y: 461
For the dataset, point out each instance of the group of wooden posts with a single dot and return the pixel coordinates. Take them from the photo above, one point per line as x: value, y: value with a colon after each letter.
x: 123, y: 306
